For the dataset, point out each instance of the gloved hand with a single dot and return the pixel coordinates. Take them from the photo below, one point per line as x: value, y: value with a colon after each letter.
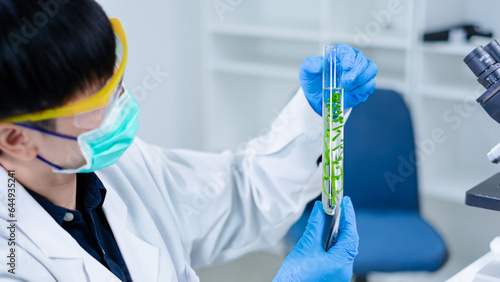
x: 308, y: 261
x: 358, y: 77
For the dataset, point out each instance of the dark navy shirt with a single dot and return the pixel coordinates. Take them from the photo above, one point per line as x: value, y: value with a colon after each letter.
x: 89, y: 227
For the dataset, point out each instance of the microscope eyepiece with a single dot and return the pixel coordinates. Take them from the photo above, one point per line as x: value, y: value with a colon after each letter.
x: 484, y: 62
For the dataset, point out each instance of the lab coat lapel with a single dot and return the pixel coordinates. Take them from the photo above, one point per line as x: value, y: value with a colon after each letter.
x: 141, y: 258
x: 58, y: 245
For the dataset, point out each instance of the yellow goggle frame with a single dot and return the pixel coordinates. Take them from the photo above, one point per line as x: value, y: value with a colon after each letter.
x: 98, y: 100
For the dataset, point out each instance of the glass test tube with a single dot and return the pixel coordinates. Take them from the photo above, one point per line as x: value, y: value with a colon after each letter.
x: 333, y: 134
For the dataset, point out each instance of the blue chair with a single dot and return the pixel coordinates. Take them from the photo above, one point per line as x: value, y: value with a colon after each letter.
x: 381, y: 179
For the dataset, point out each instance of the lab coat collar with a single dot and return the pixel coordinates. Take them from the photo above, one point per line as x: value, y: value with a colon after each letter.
x: 142, y: 259
x: 55, y: 243
x: 41, y: 228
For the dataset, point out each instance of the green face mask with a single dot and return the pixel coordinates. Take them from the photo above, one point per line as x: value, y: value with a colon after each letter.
x: 105, y: 145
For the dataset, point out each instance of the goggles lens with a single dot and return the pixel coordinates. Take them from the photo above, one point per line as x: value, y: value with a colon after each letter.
x: 92, y: 119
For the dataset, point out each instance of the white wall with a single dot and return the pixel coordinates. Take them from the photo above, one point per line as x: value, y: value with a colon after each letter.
x: 163, y: 35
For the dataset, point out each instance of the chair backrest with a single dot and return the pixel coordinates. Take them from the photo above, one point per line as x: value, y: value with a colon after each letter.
x: 380, y: 167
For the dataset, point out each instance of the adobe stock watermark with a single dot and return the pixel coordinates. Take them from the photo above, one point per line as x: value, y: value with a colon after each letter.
x: 224, y: 6
x: 150, y: 82
x: 408, y: 166
x: 11, y: 212
x: 454, y: 117
x: 268, y: 134
x: 381, y: 19
x: 31, y: 27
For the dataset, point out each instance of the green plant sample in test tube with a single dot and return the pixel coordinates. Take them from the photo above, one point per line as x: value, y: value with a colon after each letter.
x: 333, y: 136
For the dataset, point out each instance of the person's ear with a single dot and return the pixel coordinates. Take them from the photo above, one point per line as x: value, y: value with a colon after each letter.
x: 15, y: 141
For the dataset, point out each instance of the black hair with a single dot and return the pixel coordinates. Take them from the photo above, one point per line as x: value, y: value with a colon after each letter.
x: 50, y: 49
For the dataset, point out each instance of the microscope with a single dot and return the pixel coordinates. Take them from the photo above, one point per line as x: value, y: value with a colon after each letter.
x: 484, y: 62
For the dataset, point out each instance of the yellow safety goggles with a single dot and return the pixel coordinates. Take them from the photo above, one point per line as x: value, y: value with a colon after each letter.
x: 99, y: 101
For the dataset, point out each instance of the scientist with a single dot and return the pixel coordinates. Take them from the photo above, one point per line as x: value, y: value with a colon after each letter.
x: 82, y: 199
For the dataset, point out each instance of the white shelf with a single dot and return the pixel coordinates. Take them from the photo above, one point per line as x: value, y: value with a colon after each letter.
x: 255, y: 69
x: 460, y: 50
x: 453, y: 94
x: 393, y: 41
x: 389, y: 41
x: 259, y: 31
x: 270, y: 70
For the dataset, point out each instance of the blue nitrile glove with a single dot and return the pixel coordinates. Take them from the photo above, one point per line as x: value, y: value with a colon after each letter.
x: 358, y: 77
x: 308, y: 261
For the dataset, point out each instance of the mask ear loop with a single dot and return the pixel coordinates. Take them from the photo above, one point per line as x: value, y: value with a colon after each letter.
x: 46, y: 132
x: 49, y: 163
x: 49, y: 133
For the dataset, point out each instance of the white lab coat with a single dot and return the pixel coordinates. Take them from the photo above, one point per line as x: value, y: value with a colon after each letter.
x: 171, y: 210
